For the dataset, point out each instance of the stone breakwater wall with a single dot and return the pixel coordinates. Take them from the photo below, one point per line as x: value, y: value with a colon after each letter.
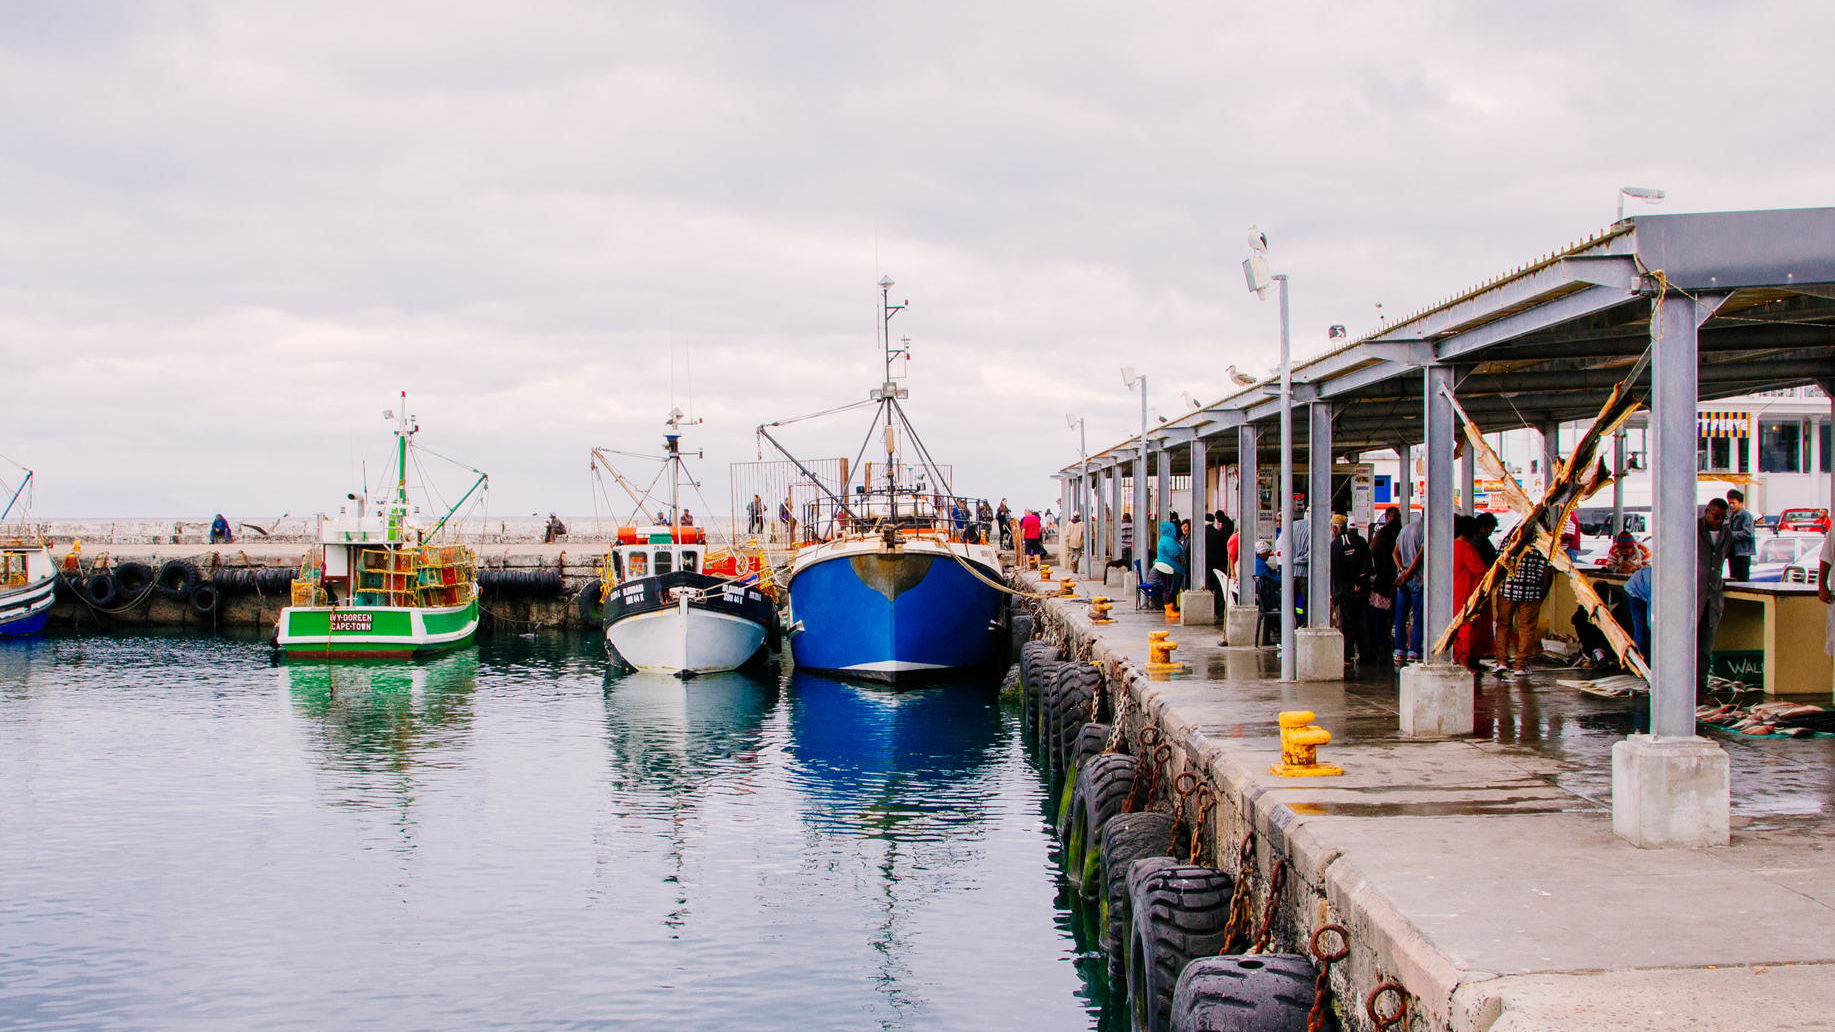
x: 195, y: 530
x: 522, y: 589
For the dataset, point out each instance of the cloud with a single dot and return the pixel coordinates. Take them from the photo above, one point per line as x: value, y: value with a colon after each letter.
x: 235, y: 231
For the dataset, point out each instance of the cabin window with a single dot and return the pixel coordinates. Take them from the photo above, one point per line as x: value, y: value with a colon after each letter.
x: 691, y: 560
x: 637, y: 561
x: 664, y: 561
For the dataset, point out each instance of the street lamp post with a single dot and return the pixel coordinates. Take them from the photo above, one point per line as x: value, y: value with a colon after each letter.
x: 1083, y: 483
x: 1140, y: 471
x: 1647, y: 194
x: 1261, y: 279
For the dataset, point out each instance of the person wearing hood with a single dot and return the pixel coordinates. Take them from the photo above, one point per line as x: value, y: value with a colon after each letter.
x: 1169, y: 561
x: 1073, y: 541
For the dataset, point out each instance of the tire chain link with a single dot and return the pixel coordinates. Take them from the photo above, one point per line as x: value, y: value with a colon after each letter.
x: 1322, y: 989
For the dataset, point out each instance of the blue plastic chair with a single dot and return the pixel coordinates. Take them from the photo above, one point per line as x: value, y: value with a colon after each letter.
x: 1146, y: 591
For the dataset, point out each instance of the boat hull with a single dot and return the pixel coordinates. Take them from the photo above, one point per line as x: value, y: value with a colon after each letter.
x: 910, y: 614
x: 685, y: 623
x: 374, y: 632
x: 24, y: 609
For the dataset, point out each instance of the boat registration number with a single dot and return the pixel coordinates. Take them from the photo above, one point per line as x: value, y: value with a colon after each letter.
x: 351, y: 621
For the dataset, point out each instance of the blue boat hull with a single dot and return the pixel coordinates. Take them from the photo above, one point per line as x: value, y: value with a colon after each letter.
x: 895, y: 617
x: 24, y: 610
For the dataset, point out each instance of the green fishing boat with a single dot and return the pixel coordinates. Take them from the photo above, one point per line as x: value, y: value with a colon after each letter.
x: 379, y: 583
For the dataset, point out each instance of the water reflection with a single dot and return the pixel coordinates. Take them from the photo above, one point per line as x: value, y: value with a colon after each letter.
x: 672, y: 735
x: 382, y: 717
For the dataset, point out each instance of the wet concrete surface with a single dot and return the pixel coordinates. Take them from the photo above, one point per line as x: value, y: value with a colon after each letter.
x: 1464, y: 865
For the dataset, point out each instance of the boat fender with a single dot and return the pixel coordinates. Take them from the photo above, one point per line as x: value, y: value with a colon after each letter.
x: 99, y: 590
x: 176, y: 580
x: 132, y: 579
x: 592, y: 609
x: 204, y: 599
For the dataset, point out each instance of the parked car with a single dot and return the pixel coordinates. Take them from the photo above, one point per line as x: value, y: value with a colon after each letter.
x: 1769, y: 521
x: 1803, y: 569
x: 1779, y: 552
x: 1814, y: 521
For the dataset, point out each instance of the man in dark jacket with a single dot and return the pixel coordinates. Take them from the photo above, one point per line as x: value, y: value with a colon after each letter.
x: 1714, y: 542
x: 1351, y: 586
x: 1216, y: 557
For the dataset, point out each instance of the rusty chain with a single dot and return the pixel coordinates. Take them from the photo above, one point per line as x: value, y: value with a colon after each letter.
x: 1322, y: 989
x: 1096, y: 697
x: 1242, y: 907
x: 1178, y: 807
x: 1207, y: 800
x: 1383, y: 1022
x: 1276, y: 882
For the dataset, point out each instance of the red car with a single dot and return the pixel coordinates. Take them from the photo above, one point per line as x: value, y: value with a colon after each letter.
x: 1812, y: 520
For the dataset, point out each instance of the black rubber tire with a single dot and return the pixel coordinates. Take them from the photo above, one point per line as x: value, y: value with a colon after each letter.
x: 1125, y: 839
x: 1029, y: 655
x: 1019, y: 629
x: 1103, y: 784
x: 1091, y: 740
x: 1071, y: 711
x: 1045, y: 676
x: 1180, y: 913
x: 176, y: 580
x: 204, y: 599
x: 591, y: 603
x: 99, y: 590
x: 132, y: 579
x: 1272, y: 992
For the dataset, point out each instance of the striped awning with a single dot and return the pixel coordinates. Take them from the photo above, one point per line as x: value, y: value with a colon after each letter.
x: 1723, y: 424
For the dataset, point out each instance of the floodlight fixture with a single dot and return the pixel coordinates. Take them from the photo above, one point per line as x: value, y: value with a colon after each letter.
x: 1128, y: 379
x: 1071, y: 419
x: 885, y: 282
x: 1647, y: 194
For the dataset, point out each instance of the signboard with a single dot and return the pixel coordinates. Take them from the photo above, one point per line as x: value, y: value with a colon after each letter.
x: 1265, y: 492
x: 1363, y: 495
x: 347, y: 622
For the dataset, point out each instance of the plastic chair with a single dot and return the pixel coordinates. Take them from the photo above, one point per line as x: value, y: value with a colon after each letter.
x: 1147, y: 591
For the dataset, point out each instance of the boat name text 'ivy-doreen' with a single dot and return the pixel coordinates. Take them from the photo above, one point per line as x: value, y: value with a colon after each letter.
x: 350, y: 621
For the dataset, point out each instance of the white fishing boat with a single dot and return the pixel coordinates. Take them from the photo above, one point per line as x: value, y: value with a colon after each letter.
x: 673, y: 603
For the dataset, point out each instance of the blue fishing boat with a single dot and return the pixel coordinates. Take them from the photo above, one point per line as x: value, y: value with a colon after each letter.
x: 28, y: 577
x: 892, y: 579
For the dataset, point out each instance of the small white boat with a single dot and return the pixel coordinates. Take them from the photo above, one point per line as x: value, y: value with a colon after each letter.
x: 28, y: 576
x: 672, y: 605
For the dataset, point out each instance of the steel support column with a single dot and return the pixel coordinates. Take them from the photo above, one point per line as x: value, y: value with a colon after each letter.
x: 1195, y: 557
x: 1404, y: 482
x: 1468, y: 482
x: 1438, y: 508
x: 1098, y: 529
x: 1248, y: 508
x: 1675, y: 432
x: 1551, y: 452
x: 1319, y: 511
x: 1115, y: 511
x: 1162, y: 490
x: 1618, y: 483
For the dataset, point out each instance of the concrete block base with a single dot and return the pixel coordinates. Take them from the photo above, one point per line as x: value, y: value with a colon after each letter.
x: 1436, y: 700
x: 1197, y: 609
x: 1239, y: 625
x: 1111, y: 577
x: 1129, y: 582
x: 1670, y: 792
x: 1319, y: 655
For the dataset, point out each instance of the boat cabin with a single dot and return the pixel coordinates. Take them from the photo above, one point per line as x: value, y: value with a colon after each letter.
x: 379, y: 558
x: 657, y: 551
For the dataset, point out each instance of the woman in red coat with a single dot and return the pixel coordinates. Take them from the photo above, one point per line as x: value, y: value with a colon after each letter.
x: 1474, y: 640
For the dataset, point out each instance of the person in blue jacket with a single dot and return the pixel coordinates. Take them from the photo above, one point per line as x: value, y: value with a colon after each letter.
x: 1169, y: 561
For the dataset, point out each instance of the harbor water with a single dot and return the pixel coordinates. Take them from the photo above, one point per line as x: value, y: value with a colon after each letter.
x: 511, y: 837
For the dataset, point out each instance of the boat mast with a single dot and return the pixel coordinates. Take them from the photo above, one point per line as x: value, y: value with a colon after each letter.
x: 889, y: 392
x: 672, y: 454
x: 399, y: 510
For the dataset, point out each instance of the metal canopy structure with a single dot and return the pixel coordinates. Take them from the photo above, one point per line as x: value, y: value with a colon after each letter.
x: 1545, y: 342
x: 1724, y: 303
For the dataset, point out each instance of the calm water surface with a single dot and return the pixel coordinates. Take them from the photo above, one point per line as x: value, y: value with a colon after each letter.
x: 191, y: 837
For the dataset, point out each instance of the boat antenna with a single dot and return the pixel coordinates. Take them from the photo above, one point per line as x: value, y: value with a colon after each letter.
x: 889, y: 391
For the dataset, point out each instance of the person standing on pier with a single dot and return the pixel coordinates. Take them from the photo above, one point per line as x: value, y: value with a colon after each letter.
x: 1711, y: 550
x: 1073, y: 540
x: 1003, y: 517
x: 1351, y: 588
x: 1410, y: 546
x: 1745, y: 537
x: 755, y: 516
x: 1217, y: 557
x: 1381, y: 613
x: 1169, y: 563
x: 1031, y: 533
x: 1519, y: 611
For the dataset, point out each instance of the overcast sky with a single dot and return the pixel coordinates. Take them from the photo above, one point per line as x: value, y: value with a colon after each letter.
x: 233, y: 231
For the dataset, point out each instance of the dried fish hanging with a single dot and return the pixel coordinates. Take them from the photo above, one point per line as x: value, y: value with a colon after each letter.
x: 1582, y: 474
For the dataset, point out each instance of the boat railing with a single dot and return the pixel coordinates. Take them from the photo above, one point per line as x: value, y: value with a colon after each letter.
x: 908, y: 514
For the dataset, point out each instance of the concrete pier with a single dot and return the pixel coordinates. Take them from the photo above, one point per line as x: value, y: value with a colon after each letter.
x: 1482, y: 871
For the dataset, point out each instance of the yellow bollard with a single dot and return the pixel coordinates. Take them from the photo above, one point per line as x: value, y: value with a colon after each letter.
x: 1067, y: 586
x: 1159, y: 653
x: 1099, y: 609
x: 1044, y: 573
x: 1300, y: 742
